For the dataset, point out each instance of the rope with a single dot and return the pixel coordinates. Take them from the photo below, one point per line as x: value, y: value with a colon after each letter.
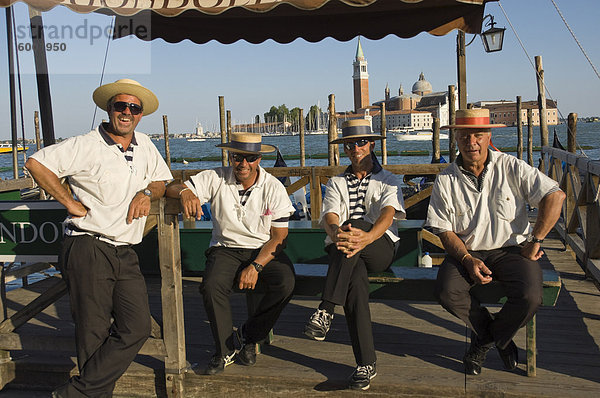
x: 20, y: 89
x: 112, y: 24
x: 575, y: 38
x: 536, y: 72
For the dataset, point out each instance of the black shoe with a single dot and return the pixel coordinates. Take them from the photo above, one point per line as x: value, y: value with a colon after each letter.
x: 218, y: 363
x: 247, y: 352
x: 475, y: 357
x: 361, y: 378
x: 319, y: 325
x: 509, y: 355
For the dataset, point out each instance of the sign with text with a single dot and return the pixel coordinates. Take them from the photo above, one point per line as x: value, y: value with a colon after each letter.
x: 31, y: 231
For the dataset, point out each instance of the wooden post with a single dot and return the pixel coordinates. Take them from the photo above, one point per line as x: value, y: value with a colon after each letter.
x: 36, y: 124
x: 461, y: 69
x: 435, y: 142
x: 228, y: 125
x: 301, y: 133
x: 452, y: 120
x: 166, y: 133
x: 224, y: 160
x: 519, y: 129
x: 529, y: 137
x: 169, y: 254
x: 541, y: 105
x: 333, y: 150
x: 531, y: 347
x: 315, y: 196
x: 383, y: 133
x: 572, y: 133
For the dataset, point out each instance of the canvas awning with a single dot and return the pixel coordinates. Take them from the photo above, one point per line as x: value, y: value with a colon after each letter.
x: 281, y: 20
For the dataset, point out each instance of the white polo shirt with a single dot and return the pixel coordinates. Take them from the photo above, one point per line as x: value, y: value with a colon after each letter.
x: 383, y: 190
x: 495, y: 217
x: 103, y: 181
x: 238, y: 226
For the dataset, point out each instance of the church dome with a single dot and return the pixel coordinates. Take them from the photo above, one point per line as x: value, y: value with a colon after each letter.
x: 422, y: 86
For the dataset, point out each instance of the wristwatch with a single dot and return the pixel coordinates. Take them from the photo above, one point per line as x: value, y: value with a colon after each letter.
x: 147, y: 192
x: 531, y: 238
x: 258, y: 267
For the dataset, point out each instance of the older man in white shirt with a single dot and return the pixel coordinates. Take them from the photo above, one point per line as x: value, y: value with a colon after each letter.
x: 478, y: 209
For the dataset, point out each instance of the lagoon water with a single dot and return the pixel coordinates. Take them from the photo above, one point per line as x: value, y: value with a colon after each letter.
x: 588, y: 134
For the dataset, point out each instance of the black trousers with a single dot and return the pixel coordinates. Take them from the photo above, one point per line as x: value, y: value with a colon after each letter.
x: 223, y: 266
x: 347, y: 284
x: 109, y: 305
x: 521, y: 279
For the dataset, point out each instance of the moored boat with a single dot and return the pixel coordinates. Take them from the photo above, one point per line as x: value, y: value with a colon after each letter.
x: 7, y: 148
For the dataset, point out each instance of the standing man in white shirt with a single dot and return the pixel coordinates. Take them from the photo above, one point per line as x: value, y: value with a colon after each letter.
x: 359, y: 213
x: 478, y: 208
x: 250, y: 212
x: 113, y: 172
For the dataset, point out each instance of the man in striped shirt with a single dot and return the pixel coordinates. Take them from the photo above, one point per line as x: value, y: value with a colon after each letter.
x: 250, y: 212
x: 359, y: 210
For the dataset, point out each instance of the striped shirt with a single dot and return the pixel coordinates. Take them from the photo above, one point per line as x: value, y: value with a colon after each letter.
x: 475, y: 180
x: 128, y: 153
x: 244, y: 193
x: 357, y: 190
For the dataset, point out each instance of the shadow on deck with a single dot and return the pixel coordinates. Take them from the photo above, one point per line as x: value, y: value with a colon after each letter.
x: 419, y: 347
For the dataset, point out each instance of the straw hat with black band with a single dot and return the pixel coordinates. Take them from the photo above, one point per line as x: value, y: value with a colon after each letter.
x: 473, y: 119
x: 243, y: 142
x: 356, y: 129
x: 104, y: 93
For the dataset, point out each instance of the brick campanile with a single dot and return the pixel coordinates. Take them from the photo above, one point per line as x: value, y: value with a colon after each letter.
x: 360, y: 79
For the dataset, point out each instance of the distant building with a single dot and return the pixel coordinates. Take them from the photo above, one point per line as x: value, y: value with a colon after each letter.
x: 398, y: 120
x: 505, y: 112
x: 360, y: 78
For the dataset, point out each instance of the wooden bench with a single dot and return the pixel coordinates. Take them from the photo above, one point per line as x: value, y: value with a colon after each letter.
x: 417, y: 284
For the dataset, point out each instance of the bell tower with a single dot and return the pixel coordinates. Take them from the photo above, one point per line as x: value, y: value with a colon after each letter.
x: 360, y: 78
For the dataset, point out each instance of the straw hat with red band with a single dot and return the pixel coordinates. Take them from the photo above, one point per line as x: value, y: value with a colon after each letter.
x: 246, y: 143
x: 473, y: 119
x: 356, y: 128
x: 104, y: 93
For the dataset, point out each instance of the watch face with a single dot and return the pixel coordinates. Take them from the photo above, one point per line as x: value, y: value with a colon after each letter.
x: 147, y: 192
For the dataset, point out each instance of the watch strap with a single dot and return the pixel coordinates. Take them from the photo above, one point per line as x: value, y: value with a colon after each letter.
x: 258, y: 267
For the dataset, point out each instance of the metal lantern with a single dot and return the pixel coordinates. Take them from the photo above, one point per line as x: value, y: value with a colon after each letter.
x: 493, y: 37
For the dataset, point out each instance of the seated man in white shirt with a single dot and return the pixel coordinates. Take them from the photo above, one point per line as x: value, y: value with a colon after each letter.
x: 359, y: 212
x: 250, y: 212
x: 478, y: 208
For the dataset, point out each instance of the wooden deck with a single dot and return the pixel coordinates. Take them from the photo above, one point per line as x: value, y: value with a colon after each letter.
x: 419, y: 347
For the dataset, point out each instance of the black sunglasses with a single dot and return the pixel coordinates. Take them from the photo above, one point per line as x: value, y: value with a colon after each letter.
x: 120, y: 106
x: 239, y: 157
x: 360, y: 143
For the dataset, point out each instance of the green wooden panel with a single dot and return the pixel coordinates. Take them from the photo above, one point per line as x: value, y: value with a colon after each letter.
x: 31, y: 230
x: 11, y: 195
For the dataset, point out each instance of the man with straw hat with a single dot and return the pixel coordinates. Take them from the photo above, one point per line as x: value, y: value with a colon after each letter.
x: 113, y: 173
x: 359, y: 212
x: 250, y: 212
x: 478, y: 208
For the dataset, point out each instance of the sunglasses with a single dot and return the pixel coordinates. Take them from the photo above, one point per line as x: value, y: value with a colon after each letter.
x: 239, y: 157
x: 120, y: 106
x: 360, y: 143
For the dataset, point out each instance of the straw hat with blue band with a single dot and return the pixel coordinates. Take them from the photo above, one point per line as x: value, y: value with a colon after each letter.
x: 104, y: 93
x: 355, y: 129
x: 473, y: 119
x: 247, y: 143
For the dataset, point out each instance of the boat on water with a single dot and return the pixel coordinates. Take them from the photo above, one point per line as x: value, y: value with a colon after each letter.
x: 410, y: 134
x: 196, y: 139
x: 7, y: 148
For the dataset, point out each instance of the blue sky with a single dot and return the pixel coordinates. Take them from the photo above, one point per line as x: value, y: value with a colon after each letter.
x: 188, y: 78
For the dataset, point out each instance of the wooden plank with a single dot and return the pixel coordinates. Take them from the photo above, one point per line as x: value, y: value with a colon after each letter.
x: 16, y: 341
x: 19, y: 272
x: 55, y: 292
x: 16, y: 184
x: 301, y: 183
x: 172, y: 300
x: 418, y: 197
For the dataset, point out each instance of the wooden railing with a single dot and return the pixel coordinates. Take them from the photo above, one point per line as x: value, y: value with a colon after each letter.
x: 579, y: 225
x: 316, y: 176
